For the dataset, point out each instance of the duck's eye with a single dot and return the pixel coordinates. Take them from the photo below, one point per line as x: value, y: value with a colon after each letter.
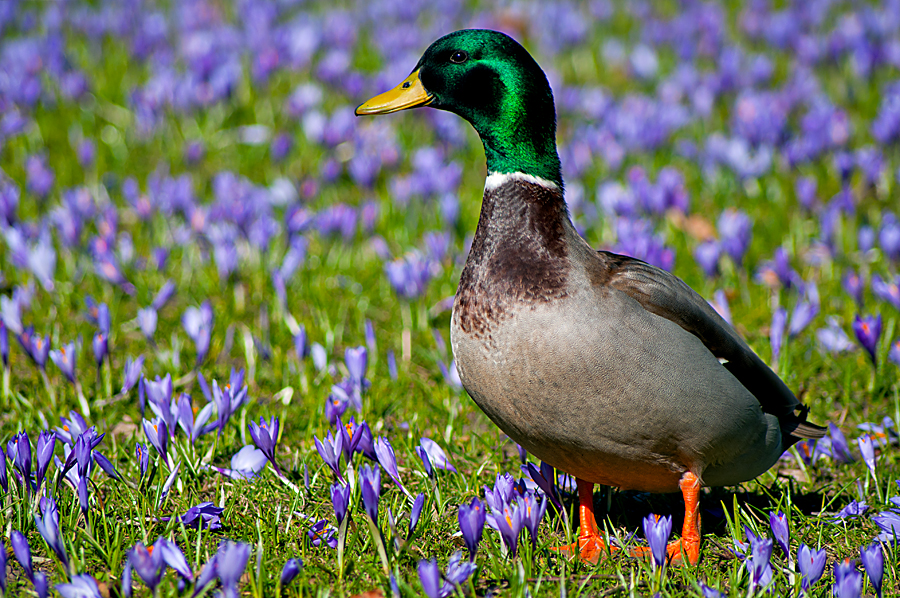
x: 459, y: 57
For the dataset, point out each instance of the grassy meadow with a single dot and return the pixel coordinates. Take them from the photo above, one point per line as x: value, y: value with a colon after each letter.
x: 199, y: 233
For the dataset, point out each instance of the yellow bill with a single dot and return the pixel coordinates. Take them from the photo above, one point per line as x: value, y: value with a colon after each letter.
x: 408, y: 94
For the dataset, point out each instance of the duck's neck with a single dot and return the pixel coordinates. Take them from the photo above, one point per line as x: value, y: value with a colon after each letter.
x: 517, y: 125
x: 534, y: 158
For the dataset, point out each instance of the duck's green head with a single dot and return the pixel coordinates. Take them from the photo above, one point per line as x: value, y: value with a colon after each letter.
x: 490, y: 80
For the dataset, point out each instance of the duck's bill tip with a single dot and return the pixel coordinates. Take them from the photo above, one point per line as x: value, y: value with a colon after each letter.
x: 409, y: 94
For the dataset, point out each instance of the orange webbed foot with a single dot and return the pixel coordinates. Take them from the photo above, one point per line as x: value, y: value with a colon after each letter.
x: 590, y: 545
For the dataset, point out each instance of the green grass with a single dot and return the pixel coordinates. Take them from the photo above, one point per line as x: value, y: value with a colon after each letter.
x: 339, y: 287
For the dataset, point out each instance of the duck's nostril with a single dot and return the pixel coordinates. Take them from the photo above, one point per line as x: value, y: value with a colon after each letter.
x: 406, y: 84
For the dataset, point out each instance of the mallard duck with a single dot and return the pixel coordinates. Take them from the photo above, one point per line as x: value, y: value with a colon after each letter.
x: 604, y: 366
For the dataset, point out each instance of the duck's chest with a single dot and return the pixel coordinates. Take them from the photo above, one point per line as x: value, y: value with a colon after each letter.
x: 519, y: 258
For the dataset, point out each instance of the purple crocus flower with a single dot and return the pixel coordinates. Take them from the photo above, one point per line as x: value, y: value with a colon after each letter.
x: 707, y: 254
x: 148, y: 564
x: 409, y: 275
x: 106, y: 465
x: 847, y: 580
x: 204, y: 515
x: 370, y: 485
x: 83, y: 496
x: 147, y: 319
x: 301, y: 343
x: 886, y: 290
x: 36, y: 347
x: 657, y: 531
x: 854, y: 285
x: 351, y: 437
x: 142, y: 455
x: 758, y: 562
x: 322, y: 532
x: 804, y: 311
x: 4, y: 344
x: 852, y: 510
x: 458, y: 571
x: 40, y: 177
x: 357, y: 361
x: 776, y: 331
x: 833, y: 338
x: 46, y: 442
x: 430, y: 577
x: 319, y: 356
x: 840, y: 450
x: 867, y: 449
x: 132, y: 373
x: 872, y: 559
x: 198, y: 324
x: 509, y: 520
x: 228, y: 398
x: 331, y: 450
x: 4, y: 480
x: 812, y: 565
x: 889, y: 236
x: 100, y: 344
x: 780, y: 529
x: 365, y: 444
x: 281, y: 146
x: 167, y: 485
x: 290, y: 571
x: 433, y: 456
x: 41, y: 584
x: 23, y: 552
x: 336, y: 404
x: 414, y: 514
x: 385, y: 453
x: 265, y: 436
x: 889, y: 522
x: 81, y: 586
x: 868, y: 331
x: 48, y: 526
x: 543, y: 477
x: 98, y: 315
x: 735, y: 232
x: 163, y: 295
x: 84, y: 454
x: 72, y: 427
x: 65, y: 358
x: 894, y: 352
x: 159, y: 394
x: 392, y: 365
x: 535, y: 507
x: 157, y: 435
x: 194, y: 427
x: 710, y: 592
x: 206, y: 576
x: 340, y: 500
x: 231, y: 560
x: 22, y: 458
x: 471, y: 523
x: 245, y: 463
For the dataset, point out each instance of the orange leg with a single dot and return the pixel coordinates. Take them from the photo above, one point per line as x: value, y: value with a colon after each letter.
x: 591, y: 544
x: 690, y: 533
